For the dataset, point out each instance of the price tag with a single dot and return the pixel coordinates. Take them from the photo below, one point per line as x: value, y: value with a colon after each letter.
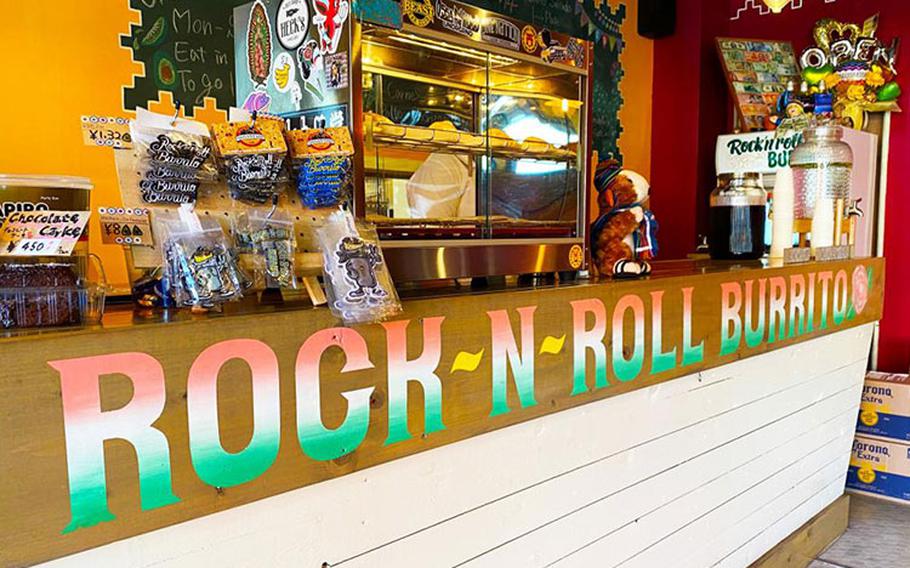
x: 106, y: 131
x: 125, y: 226
x: 42, y: 233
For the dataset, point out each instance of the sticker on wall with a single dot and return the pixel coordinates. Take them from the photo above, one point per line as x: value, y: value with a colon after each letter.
x: 291, y: 23
x: 336, y: 71
x: 419, y: 12
x: 529, y: 39
x: 259, y: 44
x: 257, y: 101
x: 332, y: 116
x: 329, y: 17
x: 312, y: 71
x: 283, y: 74
x: 501, y: 32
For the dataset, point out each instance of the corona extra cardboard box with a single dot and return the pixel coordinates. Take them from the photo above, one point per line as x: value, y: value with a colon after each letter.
x: 885, y: 409
x: 880, y: 467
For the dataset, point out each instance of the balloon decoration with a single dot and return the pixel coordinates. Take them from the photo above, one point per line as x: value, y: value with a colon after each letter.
x: 858, y: 69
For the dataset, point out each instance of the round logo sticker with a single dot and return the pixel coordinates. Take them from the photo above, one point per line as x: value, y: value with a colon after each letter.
x: 291, y: 23
x: 576, y: 256
x: 529, y: 39
x: 860, y: 289
x: 869, y: 417
x: 419, y: 12
x: 866, y: 475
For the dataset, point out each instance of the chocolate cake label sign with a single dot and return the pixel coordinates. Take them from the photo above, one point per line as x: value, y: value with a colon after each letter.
x: 42, y: 233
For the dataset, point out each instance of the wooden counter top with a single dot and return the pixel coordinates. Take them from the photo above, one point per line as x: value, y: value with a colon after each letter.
x: 223, y: 410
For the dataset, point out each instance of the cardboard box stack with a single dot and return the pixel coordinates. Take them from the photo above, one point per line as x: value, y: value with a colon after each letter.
x: 880, y: 464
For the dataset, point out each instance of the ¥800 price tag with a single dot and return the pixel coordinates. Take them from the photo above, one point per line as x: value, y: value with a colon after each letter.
x: 125, y: 226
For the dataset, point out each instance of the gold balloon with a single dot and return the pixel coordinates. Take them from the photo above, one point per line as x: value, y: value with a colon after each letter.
x: 828, y: 31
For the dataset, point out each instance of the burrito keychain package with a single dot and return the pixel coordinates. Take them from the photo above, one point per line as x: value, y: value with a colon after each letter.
x: 199, y: 264
x: 357, y: 281
x: 173, y: 157
x: 252, y: 158
x: 273, y: 242
x: 321, y: 161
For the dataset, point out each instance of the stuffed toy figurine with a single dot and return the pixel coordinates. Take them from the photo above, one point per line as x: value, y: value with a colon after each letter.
x: 624, y: 235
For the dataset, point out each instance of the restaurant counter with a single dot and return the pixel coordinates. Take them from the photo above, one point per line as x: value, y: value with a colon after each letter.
x: 697, y: 416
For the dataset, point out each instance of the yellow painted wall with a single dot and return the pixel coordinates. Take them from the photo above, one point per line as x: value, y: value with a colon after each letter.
x: 635, y: 115
x: 63, y: 59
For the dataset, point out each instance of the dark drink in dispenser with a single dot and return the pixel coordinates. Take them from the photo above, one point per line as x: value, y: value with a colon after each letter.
x: 737, y: 217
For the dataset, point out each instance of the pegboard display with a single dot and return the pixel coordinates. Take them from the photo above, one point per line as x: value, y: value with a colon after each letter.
x: 214, y: 201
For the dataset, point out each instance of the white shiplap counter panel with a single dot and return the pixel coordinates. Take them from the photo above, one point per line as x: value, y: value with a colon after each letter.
x: 715, y: 467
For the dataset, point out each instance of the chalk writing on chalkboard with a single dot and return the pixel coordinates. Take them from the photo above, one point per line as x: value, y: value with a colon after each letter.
x: 187, y: 48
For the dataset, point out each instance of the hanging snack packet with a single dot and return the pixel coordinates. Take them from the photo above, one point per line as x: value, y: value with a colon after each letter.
x: 321, y: 160
x: 252, y: 156
x: 358, y: 284
x: 173, y: 156
x: 274, y: 243
x: 199, y: 264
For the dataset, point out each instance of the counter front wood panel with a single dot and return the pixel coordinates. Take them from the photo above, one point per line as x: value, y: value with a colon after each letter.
x: 714, y: 467
x: 129, y: 430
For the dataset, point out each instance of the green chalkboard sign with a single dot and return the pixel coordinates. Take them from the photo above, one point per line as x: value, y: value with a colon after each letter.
x: 187, y: 47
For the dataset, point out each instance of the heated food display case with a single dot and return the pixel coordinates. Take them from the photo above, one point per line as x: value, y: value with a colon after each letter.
x: 472, y: 138
x: 471, y: 130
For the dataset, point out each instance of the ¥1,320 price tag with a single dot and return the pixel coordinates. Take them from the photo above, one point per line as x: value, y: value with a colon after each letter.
x: 125, y: 226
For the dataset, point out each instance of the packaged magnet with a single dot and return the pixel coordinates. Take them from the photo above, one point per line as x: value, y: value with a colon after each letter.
x: 357, y: 281
x: 252, y: 158
x: 272, y: 241
x: 321, y: 162
x: 173, y: 157
x: 199, y: 264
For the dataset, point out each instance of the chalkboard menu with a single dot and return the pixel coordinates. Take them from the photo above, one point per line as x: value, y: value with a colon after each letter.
x: 187, y: 48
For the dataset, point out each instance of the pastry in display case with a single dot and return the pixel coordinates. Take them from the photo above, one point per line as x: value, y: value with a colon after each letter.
x: 472, y: 135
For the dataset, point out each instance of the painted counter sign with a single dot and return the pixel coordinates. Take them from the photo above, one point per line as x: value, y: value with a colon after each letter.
x: 151, y: 425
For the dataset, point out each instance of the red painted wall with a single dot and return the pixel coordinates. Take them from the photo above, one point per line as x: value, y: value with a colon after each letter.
x: 691, y: 107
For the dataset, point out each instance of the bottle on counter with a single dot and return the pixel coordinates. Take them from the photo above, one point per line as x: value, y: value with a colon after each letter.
x: 737, y: 217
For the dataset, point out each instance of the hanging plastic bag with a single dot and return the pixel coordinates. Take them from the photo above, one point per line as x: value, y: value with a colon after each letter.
x: 252, y: 158
x: 358, y: 284
x: 273, y: 242
x: 173, y: 157
x: 321, y: 161
x: 199, y: 265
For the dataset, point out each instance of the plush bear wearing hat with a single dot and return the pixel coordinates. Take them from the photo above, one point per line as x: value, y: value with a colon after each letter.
x: 624, y: 235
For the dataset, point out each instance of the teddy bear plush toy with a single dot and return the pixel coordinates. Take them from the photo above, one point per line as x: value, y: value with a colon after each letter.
x: 624, y: 234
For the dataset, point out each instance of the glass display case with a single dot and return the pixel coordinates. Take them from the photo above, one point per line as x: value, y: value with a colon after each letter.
x: 473, y: 143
